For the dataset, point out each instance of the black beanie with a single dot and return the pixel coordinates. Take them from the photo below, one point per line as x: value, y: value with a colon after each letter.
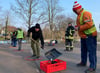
x: 37, y: 25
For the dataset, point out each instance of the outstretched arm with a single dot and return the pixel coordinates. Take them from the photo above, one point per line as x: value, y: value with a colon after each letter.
x: 42, y: 40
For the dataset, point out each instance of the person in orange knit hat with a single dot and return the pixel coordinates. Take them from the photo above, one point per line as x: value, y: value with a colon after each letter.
x: 88, y: 34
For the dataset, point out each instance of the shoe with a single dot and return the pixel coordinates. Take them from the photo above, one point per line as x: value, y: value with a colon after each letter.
x: 66, y: 50
x: 71, y: 49
x: 33, y: 55
x: 81, y: 64
x: 90, y: 70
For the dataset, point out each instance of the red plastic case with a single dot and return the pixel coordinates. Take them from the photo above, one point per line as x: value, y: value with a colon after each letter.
x: 47, y: 67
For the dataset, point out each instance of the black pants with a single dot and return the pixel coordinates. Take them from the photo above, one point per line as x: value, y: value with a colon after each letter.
x: 69, y: 44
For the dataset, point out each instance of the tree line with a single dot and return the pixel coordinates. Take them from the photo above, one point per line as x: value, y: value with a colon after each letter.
x: 46, y: 12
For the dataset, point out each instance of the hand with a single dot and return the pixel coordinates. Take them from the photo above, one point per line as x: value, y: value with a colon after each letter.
x: 76, y: 28
x: 42, y: 46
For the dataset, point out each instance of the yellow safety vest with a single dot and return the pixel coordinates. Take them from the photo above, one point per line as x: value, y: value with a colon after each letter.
x: 88, y: 31
x: 20, y: 34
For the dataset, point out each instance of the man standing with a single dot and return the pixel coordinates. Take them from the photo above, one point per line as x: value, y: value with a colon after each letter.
x: 20, y: 36
x: 88, y: 34
x: 36, y: 36
x: 69, y: 37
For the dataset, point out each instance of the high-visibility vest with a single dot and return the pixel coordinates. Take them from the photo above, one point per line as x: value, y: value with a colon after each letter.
x: 20, y: 34
x: 69, y: 37
x: 88, y: 31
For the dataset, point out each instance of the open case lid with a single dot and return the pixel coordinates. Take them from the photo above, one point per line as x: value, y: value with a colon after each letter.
x: 52, y: 54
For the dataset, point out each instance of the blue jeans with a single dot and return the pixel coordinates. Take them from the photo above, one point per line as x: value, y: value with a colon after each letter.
x: 89, y: 47
x: 14, y: 42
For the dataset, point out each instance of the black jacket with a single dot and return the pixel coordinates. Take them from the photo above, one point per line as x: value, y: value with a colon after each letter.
x: 36, y: 35
x: 70, y: 31
x: 14, y: 34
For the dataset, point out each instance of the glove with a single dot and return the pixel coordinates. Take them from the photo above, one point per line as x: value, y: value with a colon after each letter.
x: 42, y: 46
x: 76, y: 28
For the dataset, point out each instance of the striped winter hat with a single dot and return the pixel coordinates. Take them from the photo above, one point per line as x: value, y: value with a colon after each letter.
x: 76, y: 6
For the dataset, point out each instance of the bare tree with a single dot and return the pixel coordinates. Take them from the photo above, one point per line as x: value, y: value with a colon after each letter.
x: 5, y: 21
x: 52, y: 9
x: 61, y: 25
x: 27, y: 9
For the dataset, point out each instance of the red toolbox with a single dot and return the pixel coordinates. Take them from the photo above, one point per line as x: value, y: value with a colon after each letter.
x: 48, y: 67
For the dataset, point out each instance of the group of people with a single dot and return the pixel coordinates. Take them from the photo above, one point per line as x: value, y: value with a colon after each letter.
x: 17, y: 35
x: 86, y: 30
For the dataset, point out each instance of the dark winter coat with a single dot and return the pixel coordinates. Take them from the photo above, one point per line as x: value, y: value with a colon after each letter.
x: 14, y: 34
x: 36, y: 35
x: 70, y: 31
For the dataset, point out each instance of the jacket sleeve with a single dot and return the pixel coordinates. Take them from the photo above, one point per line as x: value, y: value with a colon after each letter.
x: 87, y: 20
x: 42, y: 39
x: 72, y: 31
x: 16, y: 32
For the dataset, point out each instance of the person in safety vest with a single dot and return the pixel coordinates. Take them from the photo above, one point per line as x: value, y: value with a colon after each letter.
x: 88, y: 34
x: 69, y: 37
x: 36, y: 36
x: 20, y: 36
